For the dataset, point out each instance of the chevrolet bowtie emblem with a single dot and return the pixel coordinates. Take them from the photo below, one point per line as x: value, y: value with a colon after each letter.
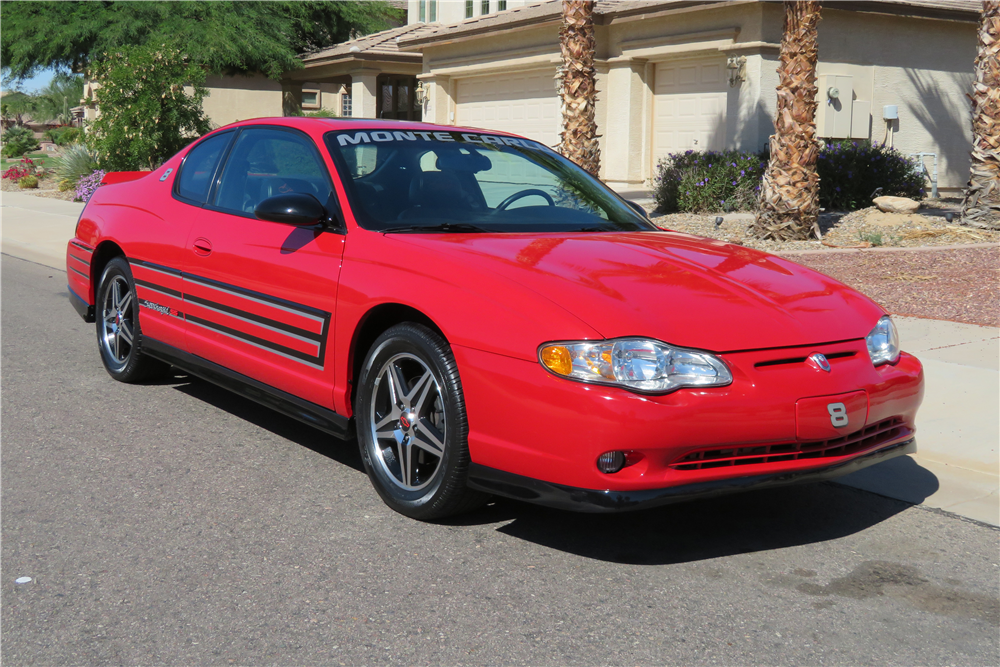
x: 819, y: 361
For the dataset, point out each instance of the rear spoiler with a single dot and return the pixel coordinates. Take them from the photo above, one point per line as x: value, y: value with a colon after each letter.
x: 113, y: 177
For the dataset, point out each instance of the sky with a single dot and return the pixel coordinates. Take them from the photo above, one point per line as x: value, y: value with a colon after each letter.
x: 35, y: 83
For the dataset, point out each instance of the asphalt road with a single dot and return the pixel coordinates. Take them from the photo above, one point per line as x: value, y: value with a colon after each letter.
x: 177, y: 524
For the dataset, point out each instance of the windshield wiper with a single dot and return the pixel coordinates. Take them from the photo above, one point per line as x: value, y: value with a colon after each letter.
x: 446, y: 227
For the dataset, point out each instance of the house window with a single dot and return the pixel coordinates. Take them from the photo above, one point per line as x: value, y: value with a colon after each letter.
x: 485, y: 7
x: 469, y: 4
x: 434, y: 11
x: 423, y: 11
x: 501, y: 5
x: 346, y: 104
x: 310, y: 96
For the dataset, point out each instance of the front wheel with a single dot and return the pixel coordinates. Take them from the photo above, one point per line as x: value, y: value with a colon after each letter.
x: 119, y: 337
x: 412, y: 426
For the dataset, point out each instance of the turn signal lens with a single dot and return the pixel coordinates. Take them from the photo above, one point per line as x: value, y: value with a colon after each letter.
x: 640, y: 364
x: 557, y: 359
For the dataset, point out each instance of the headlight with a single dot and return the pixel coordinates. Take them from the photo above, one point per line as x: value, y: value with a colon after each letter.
x: 639, y: 364
x: 883, y: 342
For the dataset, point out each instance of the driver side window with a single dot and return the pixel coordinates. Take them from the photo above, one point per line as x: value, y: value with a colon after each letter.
x: 267, y: 162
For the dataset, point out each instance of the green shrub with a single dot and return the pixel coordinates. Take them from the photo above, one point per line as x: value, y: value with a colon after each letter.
x: 146, y: 115
x: 75, y: 162
x: 28, y: 182
x: 17, y: 141
x: 851, y: 171
x: 710, y: 181
x: 65, y: 185
x: 63, y: 136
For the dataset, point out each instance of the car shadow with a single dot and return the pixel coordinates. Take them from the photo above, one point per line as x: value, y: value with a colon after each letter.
x: 680, y: 533
x: 344, y: 452
x: 698, y: 530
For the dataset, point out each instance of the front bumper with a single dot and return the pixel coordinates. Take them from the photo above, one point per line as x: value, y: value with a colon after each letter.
x: 536, y: 491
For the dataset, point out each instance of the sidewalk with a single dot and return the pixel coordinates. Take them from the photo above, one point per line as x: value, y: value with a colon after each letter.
x: 957, y: 467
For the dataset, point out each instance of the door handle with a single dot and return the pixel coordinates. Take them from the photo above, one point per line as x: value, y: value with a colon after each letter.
x: 203, y: 247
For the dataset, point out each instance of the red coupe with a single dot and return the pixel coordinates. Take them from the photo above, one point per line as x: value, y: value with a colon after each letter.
x: 486, y: 318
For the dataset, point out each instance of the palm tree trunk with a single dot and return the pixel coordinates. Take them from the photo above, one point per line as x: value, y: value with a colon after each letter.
x: 981, y: 206
x: 578, y: 85
x: 789, y: 196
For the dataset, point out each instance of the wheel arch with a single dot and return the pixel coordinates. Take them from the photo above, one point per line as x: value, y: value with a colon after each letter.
x: 103, y: 253
x: 374, y: 322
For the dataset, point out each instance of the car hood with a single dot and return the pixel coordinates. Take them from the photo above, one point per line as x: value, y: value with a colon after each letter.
x: 682, y: 289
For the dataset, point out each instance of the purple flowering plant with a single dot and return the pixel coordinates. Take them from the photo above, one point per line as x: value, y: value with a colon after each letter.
x: 87, y: 186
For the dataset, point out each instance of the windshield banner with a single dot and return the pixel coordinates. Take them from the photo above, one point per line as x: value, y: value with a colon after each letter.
x: 383, y: 136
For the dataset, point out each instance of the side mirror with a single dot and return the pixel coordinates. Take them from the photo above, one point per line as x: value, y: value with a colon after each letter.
x: 294, y: 208
x: 638, y: 209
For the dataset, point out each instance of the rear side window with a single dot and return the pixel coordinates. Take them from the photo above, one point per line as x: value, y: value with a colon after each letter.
x: 268, y: 162
x: 199, y: 167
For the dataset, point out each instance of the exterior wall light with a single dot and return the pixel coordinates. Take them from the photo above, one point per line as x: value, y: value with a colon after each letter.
x: 420, y: 92
x: 737, y: 67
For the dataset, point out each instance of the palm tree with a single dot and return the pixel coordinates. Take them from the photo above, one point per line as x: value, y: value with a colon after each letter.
x: 578, y: 85
x: 981, y: 206
x: 789, y: 196
x: 56, y: 99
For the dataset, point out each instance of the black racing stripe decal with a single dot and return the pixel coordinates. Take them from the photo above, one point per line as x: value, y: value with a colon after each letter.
x: 158, y: 288
x: 316, y: 313
x: 320, y: 316
x: 79, y: 272
x: 155, y: 267
x: 81, y: 260
x: 254, y: 340
x: 82, y: 247
x: 259, y: 319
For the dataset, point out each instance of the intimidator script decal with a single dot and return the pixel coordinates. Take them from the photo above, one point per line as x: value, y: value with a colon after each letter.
x: 382, y: 136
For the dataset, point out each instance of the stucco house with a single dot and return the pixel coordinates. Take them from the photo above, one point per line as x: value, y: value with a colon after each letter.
x: 672, y: 75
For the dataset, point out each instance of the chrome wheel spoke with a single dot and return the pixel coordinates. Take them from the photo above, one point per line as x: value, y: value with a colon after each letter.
x: 428, y: 438
x: 391, y: 418
x: 424, y: 386
x: 124, y: 332
x: 397, y: 385
x: 125, y: 303
x: 405, y: 468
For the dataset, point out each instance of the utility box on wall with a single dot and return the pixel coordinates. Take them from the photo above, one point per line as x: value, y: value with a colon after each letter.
x: 835, y: 109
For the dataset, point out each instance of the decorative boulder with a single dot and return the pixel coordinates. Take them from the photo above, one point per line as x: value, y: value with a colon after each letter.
x: 896, y: 204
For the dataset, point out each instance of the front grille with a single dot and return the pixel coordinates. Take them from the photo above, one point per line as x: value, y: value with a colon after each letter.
x: 802, y: 360
x: 867, y: 438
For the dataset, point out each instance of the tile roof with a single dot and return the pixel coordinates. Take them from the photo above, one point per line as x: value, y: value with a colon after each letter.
x: 385, y: 43
x: 605, y: 10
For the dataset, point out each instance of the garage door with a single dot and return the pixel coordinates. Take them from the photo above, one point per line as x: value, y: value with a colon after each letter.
x: 523, y: 103
x: 689, y: 108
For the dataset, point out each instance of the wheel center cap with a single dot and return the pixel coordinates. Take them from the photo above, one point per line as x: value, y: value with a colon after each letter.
x: 406, y: 421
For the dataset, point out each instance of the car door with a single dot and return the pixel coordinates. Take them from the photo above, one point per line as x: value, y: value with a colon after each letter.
x: 159, y: 260
x: 260, y: 296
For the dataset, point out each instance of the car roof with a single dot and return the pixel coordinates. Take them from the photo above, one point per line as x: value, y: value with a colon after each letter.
x: 332, y: 124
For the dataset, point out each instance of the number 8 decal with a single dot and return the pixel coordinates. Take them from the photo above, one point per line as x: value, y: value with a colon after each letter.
x: 838, y: 414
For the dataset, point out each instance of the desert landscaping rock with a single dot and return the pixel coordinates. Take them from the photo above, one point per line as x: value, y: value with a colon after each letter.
x: 896, y: 204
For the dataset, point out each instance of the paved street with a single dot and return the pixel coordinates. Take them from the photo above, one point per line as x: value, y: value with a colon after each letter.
x: 175, y: 523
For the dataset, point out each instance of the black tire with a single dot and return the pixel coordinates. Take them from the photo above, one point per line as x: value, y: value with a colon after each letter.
x: 408, y: 469
x: 119, y: 335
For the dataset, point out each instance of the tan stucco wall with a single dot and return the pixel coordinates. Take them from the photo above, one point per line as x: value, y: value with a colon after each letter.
x: 453, y: 11
x: 923, y: 66
x: 234, y: 98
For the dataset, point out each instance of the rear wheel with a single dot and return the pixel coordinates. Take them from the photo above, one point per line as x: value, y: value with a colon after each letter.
x: 412, y: 426
x: 119, y: 336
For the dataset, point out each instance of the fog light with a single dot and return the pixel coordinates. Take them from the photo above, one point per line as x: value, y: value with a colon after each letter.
x: 611, y: 462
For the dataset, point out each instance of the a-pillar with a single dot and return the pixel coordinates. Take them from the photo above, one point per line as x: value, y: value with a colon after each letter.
x: 364, y: 92
x: 626, y: 101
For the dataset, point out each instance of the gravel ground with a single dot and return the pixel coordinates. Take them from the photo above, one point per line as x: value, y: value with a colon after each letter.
x: 961, y: 285
x: 860, y: 229
x: 47, y: 188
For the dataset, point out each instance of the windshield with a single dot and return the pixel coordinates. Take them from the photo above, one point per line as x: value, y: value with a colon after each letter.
x: 463, y: 181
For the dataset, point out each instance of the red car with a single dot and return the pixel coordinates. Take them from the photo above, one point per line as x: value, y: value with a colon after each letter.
x: 486, y: 318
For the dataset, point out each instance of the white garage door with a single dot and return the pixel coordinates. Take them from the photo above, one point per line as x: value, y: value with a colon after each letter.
x: 689, y: 109
x: 524, y: 103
